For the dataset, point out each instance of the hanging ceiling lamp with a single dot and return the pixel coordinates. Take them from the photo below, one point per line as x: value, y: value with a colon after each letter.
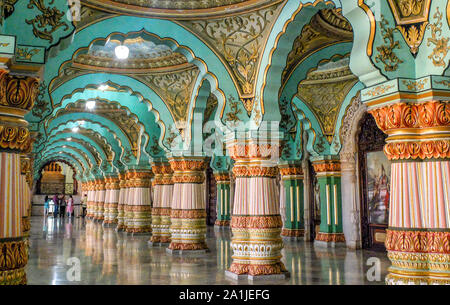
x: 122, y: 52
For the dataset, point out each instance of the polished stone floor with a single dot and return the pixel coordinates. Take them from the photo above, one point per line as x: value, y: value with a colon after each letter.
x: 58, y: 246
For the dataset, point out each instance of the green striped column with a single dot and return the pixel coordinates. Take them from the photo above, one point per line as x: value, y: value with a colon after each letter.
x: 223, y: 200
x: 292, y: 178
x: 329, y: 178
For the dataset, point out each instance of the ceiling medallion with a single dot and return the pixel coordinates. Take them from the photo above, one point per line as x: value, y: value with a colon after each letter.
x: 411, y: 17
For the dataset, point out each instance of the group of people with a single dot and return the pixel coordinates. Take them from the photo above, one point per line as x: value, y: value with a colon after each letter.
x: 61, y: 205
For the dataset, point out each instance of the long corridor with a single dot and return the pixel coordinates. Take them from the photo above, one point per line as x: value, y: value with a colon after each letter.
x: 108, y: 257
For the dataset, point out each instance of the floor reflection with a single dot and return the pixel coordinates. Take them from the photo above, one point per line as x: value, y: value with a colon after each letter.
x: 108, y: 257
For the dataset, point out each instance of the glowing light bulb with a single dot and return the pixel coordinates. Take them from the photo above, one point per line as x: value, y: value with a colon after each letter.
x: 122, y: 52
x: 75, y: 129
x: 102, y: 87
x: 90, y: 105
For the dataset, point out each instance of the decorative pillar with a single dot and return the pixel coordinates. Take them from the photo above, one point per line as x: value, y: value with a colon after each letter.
x: 112, y: 186
x: 331, y: 232
x: 418, y: 236
x: 292, y: 178
x: 223, y: 200
x: 256, y: 221
x: 91, y: 199
x: 129, y: 192
x: 162, y: 194
x: 122, y: 202
x: 140, y: 203
x: 188, y: 214
x: 25, y: 168
x: 100, y: 200
x: 17, y: 95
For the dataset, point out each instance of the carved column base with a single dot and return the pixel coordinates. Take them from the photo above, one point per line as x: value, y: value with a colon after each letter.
x: 120, y: 217
x: 293, y: 233
x: 188, y: 230
x: 222, y: 223
x: 111, y: 213
x: 256, y: 245
x: 13, y: 260
x: 26, y: 226
x: 160, y: 225
x: 329, y: 240
x: 418, y: 257
x: 139, y: 219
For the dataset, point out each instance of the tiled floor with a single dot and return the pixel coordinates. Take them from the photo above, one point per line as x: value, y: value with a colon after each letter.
x: 107, y: 257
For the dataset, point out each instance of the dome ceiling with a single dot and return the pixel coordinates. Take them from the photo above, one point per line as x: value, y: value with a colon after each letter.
x: 144, y: 54
x: 181, y: 9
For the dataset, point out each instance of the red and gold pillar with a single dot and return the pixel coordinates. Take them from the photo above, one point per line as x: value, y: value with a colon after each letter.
x: 91, y: 199
x: 99, y: 200
x: 188, y: 214
x: 122, y: 202
x: 112, y: 185
x: 256, y: 221
x: 17, y: 95
x: 162, y: 200
x: 418, y: 144
x: 139, y: 203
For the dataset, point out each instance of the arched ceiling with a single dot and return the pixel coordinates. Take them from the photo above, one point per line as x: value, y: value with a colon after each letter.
x: 225, y: 64
x: 180, y: 9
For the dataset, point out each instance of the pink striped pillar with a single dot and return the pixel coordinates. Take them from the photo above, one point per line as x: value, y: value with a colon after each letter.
x: 139, y: 203
x: 188, y: 214
x: 256, y: 221
x: 112, y: 186
x: 418, y: 237
x: 122, y: 202
x: 100, y: 200
x: 162, y: 198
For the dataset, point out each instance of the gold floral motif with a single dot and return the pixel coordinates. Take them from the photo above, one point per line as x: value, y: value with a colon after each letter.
x: 418, y: 241
x: 386, y: 52
x: 238, y: 39
x: 13, y: 260
x: 325, y: 96
x: 418, y: 150
x: 50, y: 17
x: 16, y: 138
x: 327, y: 166
x: 293, y: 232
x: 255, y: 171
x: 441, y: 47
x: 176, y: 89
x: 25, y: 54
x: 415, y: 85
x: 17, y: 91
x: 378, y: 90
x: 411, y: 17
x: 188, y: 214
x: 232, y: 115
x: 256, y: 222
x: 6, y: 10
x: 330, y: 237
